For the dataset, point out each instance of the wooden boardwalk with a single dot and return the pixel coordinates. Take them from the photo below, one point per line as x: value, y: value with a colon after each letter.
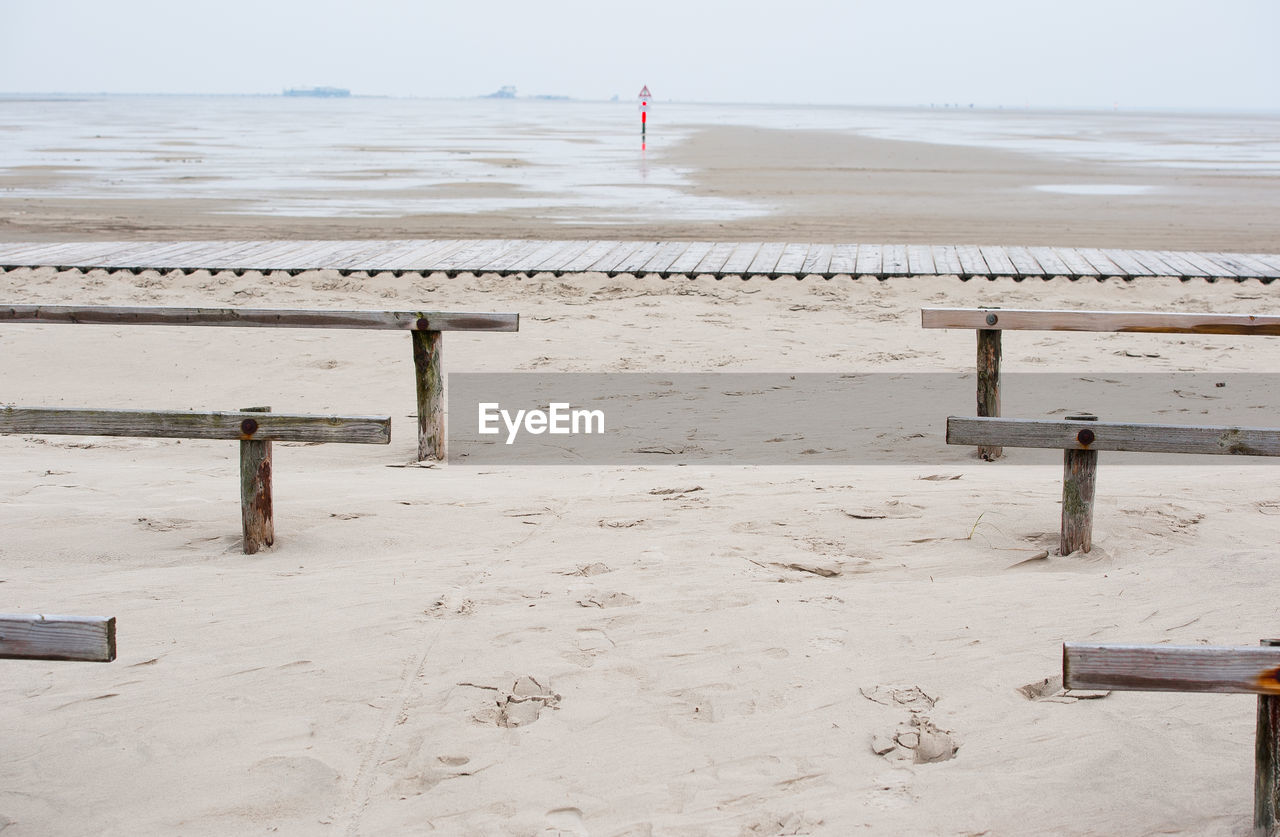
x: 614, y: 258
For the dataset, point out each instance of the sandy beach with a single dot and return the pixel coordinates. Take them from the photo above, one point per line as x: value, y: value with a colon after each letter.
x: 633, y: 651
x: 388, y: 170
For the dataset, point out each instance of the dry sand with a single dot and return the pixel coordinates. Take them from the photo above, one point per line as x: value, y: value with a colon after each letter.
x: 614, y: 651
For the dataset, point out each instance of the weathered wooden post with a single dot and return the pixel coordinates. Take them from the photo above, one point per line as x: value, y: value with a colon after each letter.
x: 430, y: 384
x: 989, y: 380
x: 1079, y: 471
x: 1266, y: 774
x: 1244, y: 670
x: 255, y: 486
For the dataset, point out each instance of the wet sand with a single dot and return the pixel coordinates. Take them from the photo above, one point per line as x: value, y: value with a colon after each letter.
x: 806, y: 186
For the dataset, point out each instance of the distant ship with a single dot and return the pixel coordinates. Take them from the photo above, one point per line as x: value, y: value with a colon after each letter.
x: 507, y: 91
x: 319, y: 92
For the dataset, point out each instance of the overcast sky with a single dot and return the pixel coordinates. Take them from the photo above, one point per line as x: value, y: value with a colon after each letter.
x: 1083, y: 53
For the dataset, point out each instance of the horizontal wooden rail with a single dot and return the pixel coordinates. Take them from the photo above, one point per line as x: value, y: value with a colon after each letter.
x: 1252, y: 670
x: 1002, y: 319
x: 255, y: 428
x: 244, y: 426
x: 260, y: 317
x: 425, y: 328
x: 1197, y: 668
x: 1100, y: 435
x: 88, y: 639
x: 988, y: 323
x: 1081, y: 437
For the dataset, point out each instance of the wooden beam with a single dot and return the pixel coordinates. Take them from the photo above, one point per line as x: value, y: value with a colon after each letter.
x: 894, y: 260
x: 1077, y: 264
x: 740, y: 259
x: 256, y: 505
x: 945, y: 260
x: 261, y: 317
x: 429, y: 377
x: 588, y: 257
x: 1049, y: 262
x: 1079, y: 475
x: 870, y: 260
x: 564, y: 252
x: 714, y: 260
x: 665, y: 257
x: 274, y: 427
x: 1024, y: 263
x: 1100, y: 261
x: 690, y: 258
x: 1117, y: 321
x: 971, y: 261
x: 791, y: 262
x: 1128, y: 264
x: 989, y: 385
x: 1101, y: 435
x: 87, y: 639
x: 920, y: 260
x: 998, y: 262
x: 818, y: 259
x: 1172, y: 668
x: 637, y: 259
x: 1266, y: 758
x: 766, y: 260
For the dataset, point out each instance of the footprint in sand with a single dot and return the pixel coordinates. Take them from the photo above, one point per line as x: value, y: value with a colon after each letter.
x: 832, y: 640
x: 589, y: 570
x: 451, y: 603
x: 603, y: 600
x: 295, y: 785
x: 913, y: 698
x: 518, y: 706
x: 774, y: 825
x: 919, y: 740
x: 591, y: 642
x: 165, y: 525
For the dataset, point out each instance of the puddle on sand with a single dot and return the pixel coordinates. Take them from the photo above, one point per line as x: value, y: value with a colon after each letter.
x: 1095, y: 189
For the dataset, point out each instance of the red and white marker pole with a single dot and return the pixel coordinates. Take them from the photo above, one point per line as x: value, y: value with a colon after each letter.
x: 644, y: 114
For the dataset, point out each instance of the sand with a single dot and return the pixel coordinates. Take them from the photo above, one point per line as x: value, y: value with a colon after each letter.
x: 614, y: 651
x: 809, y: 186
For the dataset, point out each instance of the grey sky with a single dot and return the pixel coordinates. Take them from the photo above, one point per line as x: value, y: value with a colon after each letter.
x: 1086, y: 53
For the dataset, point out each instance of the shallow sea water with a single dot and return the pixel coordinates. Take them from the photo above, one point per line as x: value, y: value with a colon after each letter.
x: 577, y: 162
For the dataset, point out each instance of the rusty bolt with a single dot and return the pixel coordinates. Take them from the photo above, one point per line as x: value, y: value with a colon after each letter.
x: 423, y: 324
x: 992, y: 319
x: 1085, y: 436
x: 249, y: 426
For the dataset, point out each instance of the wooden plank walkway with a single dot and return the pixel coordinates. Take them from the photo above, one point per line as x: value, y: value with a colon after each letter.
x: 639, y: 258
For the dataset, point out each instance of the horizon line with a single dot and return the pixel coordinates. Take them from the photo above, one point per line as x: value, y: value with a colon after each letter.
x: 562, y: 99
